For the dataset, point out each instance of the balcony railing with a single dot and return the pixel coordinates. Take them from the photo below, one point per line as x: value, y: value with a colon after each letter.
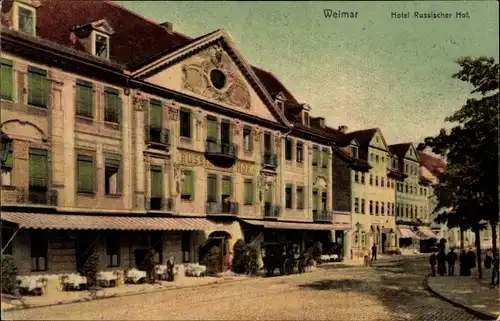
x: 36, y: 196
x: 271, y: 210
x: 214, y: 208
x: 158, y: 138
x: 322, y: 216
x: 160, y: 204
x: 214, y: 147
x: 269, y: 160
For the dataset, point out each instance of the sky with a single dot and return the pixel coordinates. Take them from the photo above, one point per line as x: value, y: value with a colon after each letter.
x: 370, y: 71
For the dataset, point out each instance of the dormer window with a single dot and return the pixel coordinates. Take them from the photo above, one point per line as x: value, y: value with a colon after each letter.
x: 25, y: 18
x: 306, y: 119
x: 354, y: 152
x: 394, y: 163
x: 101, y: 45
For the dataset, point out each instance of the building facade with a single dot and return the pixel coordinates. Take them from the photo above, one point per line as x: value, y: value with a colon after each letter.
x: 121, y: 145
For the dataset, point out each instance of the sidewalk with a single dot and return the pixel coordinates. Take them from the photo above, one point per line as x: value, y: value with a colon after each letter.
x: 468, y: 292
x: 56, y: 297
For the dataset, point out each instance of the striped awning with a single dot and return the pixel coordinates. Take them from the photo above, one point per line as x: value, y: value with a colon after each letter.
x: 426, y: 232
x: 405, y: 232
x: 99, y: 222
x: 299, y: 226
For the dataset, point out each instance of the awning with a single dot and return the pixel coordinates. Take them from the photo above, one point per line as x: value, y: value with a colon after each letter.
x: 96, y: 222
x: 407, y: 233
x: 299, y: 226
x: 426, y: 232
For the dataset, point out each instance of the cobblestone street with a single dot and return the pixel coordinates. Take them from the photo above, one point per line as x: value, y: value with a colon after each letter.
x: 391, y: 291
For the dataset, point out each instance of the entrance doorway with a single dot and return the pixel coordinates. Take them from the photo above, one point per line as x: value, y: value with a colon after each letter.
x: 215, y: 250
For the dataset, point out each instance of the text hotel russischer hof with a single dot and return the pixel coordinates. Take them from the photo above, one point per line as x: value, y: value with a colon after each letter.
x: 429, y: 15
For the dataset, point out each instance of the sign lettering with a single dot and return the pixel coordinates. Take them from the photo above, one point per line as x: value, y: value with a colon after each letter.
x: 192, y: 159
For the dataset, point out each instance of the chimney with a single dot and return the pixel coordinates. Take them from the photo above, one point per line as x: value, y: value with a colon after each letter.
x: 168, y: 26
x: 321, y: 122
x: 343, y: 129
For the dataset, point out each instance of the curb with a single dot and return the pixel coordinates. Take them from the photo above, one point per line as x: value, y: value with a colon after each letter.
x: 104, y: 297
x: 476, y: 313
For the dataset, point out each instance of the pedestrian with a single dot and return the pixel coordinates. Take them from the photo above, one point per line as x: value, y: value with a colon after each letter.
x: 432, y: 262
x: 367, y: 258
x: 495, y: 274
x: 463, y: 263
x: 451, y: 258
x: 374, y: 252
x: 441, y: 263
x: 471, y: 258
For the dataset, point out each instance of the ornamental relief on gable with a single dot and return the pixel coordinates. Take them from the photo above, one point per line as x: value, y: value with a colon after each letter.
x: 215, y: 78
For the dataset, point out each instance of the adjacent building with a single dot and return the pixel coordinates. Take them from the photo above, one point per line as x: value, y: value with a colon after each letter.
x: 122, y: 144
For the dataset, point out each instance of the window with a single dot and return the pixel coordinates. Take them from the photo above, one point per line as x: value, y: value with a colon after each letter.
x: 155, y: 121
x: 112, y: 105
x: 407, y: 210
x: 363, y: 206
x: 218, y: 78
x: 84, y: 98
x: 356, y: 205
x: 306, y: 119
x: 382, y: 208
x: 288, y: 149
x: 248, y: 192
x: 39, y: 246
x: 186, y: 246
x: 38, y: 88
x: 299, y: 157
x: 392, y: 209
x: 376, y: 208
x: 112, y: 182
x: 324, y: 158
x: 212, y: 128
x: 371, y: 179
x: 156, y: 173
x: 354, y: 151
x: 227, y: 188
x: 288, y: 196
x: 85, y: 174
x: 211, y: 188
x: 425, y: 192
x: 371, y: 207
x: 113, y: 249
x: 376, y: 180
x: 406, y: 188
x: 247, y: 139
x: 38, y: 175
x: 26, y: 20
x: 376, y: 158
x: 411, y: 189
x: 315, y: 156
x: 101, y: 45
x: 7, y: 170
x: 383, y: 160
x: 372, y: 158
x: 6, y: 80
x: 362, y: 178
x: 381, y: 181
x: 300, y: 197
x: 394, y: 163
x: 388, y: 208
x: 411, y: 211
x: 356, y: 177
x: 185, y: 123
x: 406, y: 168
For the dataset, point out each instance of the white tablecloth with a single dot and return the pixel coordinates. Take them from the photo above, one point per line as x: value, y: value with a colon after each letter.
x: 75, y: 279
x: 30, y: 283
x: 106, y: 276
x: 135, y: 275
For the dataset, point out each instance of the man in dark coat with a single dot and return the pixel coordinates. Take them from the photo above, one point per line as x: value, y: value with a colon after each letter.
x: 496, y: 266
x: 451, y: 258
x: 432, y: 262
x: 463, y: 263
x: 374, y: 252
x: 441, y: 261
x: 471, y: 258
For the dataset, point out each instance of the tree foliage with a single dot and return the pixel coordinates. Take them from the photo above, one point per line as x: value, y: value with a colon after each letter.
x: 469, y: 185
x: 8, y: 275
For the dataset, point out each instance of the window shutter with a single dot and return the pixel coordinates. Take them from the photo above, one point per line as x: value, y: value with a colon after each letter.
x: 186, y: 183
x: 191, y: 185
x: 226, y: 186
x: 10, y: 161
x: 156, y: 114
x: 268, y: 196
x: 119, y: 106
x: 85, y: 173
x: 6, y: 79
x: 156, y: 181
x: 248, y: 192
x: 211, y: 188
x: 38, y: 169
x: 85, y: 98
x: 212, y: 128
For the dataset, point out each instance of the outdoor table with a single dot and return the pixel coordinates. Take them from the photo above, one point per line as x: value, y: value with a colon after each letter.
x: 161, y: 270
x: 135, y: 275
x: 29, y: 283
x: 107, y: 277
x: 74, y: 280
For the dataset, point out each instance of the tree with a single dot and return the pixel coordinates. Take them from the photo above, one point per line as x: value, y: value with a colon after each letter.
x: 469, y: 185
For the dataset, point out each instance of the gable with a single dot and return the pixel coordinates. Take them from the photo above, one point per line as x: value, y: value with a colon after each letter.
x: 354, y: 142
x: 411, y: 153
x: 378, y: 141
x: 213, y: 75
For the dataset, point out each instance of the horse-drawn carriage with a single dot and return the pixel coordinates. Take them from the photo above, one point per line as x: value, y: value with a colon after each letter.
x: 282, y: 256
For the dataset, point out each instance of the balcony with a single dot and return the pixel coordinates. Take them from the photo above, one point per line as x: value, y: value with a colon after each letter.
x: 271, y: 211
x: 221, y: 154
x: 160, y: 204
x: 36, y: 196
x: 158, y: 138
x: 269, y: 160
x: 226, y: 208
x: 322, y: 216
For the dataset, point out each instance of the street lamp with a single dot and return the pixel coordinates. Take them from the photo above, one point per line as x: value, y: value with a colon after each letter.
x: 5, y: 145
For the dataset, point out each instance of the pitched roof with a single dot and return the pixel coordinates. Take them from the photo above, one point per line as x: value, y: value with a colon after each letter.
x: 364, y: 136
x: 399, y: 149
x: 136, y: 38
x: 432, y: 163
x: 274, y: 85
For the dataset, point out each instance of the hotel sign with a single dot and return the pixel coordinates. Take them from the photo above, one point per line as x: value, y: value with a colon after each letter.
x: 194, y: 159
